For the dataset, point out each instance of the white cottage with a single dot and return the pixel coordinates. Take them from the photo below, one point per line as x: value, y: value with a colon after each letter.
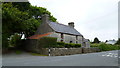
x: 63, y: 33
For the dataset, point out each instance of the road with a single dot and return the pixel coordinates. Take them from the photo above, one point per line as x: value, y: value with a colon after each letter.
x: 108, y: 58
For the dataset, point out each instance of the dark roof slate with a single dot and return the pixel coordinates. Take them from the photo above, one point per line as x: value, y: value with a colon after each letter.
x: 63, y: 28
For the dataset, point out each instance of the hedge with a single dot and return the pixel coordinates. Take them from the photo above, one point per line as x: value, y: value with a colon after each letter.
x: 47, y: 42
x: 106, y: 47
x: 94, y: 45
x: 68, y: 45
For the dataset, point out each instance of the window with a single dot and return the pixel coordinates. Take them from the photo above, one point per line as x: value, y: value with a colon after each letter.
x: 76, y: 37
x: 70, y: 41
x: 61, y: 40
x: 61, y: 35
x: 76, y: 42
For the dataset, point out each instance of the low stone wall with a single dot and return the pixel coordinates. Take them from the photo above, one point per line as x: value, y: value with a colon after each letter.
x: 32, y: 46
x: 66, y: 51
x: 90, y: 50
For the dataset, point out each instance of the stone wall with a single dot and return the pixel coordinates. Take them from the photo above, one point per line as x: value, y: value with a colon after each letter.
x: 33, y: 46
x: 90, y: 50
x: 66, y: 51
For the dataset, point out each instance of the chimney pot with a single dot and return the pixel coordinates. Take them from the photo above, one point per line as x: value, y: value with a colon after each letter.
x: 71, y: 24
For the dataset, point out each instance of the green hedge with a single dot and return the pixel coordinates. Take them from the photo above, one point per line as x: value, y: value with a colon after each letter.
x: 61, y: 43
x: 106, y: 47
x: 47, y: 42
x: 68, y: 45
x: 94, y: 45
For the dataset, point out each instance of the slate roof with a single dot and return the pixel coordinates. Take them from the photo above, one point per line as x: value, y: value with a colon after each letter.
x: 63, y: 28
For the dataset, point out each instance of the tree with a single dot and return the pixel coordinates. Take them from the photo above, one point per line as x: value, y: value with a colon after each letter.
x: 106, y: 41
x: 12, y: 22
x: 118, y: 42
x: 22, y: 6
x: 20, y: 17
x: 96, y: 40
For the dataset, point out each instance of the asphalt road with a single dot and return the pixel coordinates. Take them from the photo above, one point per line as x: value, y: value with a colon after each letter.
x: 108, y: 58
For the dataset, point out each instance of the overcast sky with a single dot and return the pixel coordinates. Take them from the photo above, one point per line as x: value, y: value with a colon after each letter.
x: 92, y: 18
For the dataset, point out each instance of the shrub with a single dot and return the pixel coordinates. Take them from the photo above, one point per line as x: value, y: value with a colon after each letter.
x: 108, y: 47
x: 77, y: 45
x: 118, y: 42
x: 68, y: 45
x: 60, y: 46
x: 118, y: 47
x: 61, y: 43
x: 15, y: 40
x: 47, y: 42
x: 105, y: 47
x: 94, y: 45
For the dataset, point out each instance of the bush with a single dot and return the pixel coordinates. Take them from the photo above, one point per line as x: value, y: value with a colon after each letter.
x: 61, y: 43
x: 60, y: 46
x: 77, y: 45
x: 15, y: 40
x: 47, y: 42
x: 118, y: 47
x: 108, y: 47
x: 118, y: 42
x: 94, y: 45
x: 69, y: 45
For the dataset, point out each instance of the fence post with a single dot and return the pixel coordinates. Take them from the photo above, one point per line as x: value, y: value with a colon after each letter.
x: 49, y: 51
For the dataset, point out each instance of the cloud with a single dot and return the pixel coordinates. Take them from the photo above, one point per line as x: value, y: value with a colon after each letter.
x: 93, y: 18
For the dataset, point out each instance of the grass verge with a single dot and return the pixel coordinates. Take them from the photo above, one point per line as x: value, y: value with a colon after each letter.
x: 36, y: 54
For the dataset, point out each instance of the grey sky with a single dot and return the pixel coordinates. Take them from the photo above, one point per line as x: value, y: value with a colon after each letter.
x: 92, y: 18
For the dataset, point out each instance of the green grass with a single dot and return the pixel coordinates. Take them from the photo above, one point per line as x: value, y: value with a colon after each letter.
x: 36, y: 54
x: 18, y: 52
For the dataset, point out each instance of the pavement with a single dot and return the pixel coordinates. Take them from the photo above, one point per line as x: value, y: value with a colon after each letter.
x: 108, y: 58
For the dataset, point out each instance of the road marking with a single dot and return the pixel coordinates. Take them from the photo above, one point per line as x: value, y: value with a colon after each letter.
x: 114, y: 55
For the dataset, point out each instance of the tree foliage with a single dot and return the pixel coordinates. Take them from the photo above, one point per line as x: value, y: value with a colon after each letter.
x: 21, y: 17
x: 96, y: 40
x: 14, y: 40
x: 118, y: 42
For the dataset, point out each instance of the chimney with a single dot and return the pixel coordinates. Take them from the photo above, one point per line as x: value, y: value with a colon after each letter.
x: 45, y: 18
x: 71, y: 24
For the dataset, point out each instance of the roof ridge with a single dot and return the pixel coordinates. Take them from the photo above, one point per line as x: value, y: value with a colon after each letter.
x: 64, y: 25
x: 59, y: 27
